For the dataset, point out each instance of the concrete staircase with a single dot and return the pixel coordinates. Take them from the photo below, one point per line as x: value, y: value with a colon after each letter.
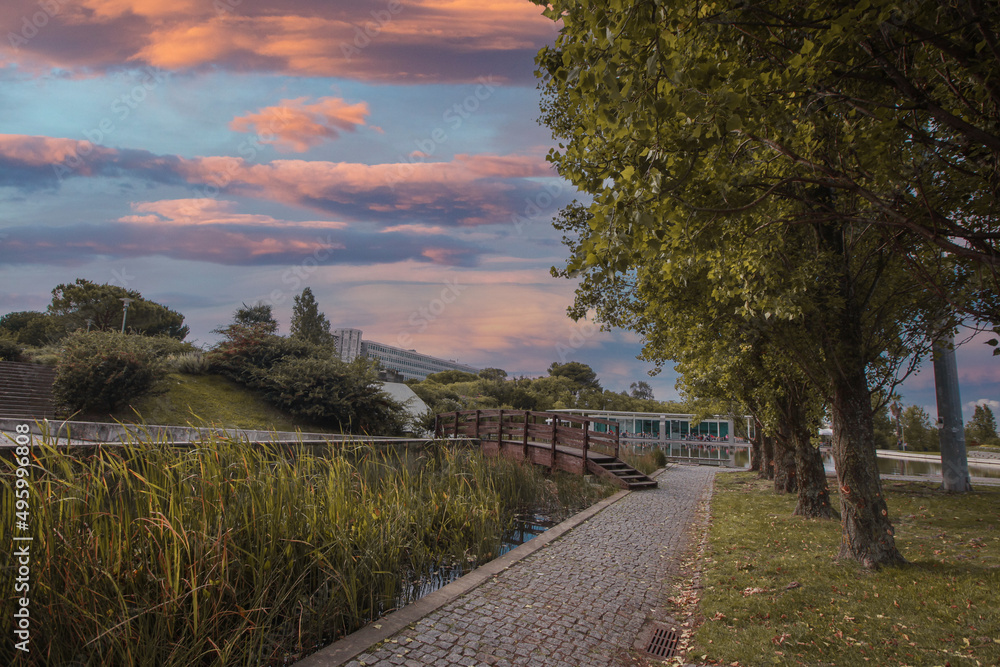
x: 619, y: 472
x: 26, y: 391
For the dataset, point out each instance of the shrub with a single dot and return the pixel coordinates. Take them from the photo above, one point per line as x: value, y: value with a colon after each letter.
x: 248, y: 350
x: 659, y: 458
x: 189, y: 363
x: 100, y: 370
x: 10, y: 350
x: 331, y: 392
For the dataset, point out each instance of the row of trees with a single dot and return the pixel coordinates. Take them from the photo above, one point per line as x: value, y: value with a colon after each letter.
x: 89, y: 306
x: 567, y: 385
x: 791, y: 201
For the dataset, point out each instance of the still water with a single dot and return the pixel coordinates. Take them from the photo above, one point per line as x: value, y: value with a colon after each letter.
x: 888, y: 466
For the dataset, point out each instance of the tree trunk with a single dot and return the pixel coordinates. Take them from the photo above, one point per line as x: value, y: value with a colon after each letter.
x: 766, y: 458
x: 784, y: 464
x: 814, y: 495
x: 866, y: 532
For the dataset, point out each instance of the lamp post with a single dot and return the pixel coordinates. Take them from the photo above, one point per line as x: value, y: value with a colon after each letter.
x: 125, y: 300
x: 90, y: 321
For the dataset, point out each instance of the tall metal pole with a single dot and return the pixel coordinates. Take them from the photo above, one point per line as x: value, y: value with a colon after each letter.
x: 126, y: 301
x: 954, y: 461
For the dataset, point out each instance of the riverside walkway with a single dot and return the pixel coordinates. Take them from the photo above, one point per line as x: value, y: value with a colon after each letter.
x: 583, y: 598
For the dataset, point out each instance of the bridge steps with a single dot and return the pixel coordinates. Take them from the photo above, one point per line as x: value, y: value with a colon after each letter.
x: 620, y: 472
x: 26, y: 391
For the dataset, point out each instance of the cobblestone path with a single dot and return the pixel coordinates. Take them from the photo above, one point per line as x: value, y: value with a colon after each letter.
x: 579, y: 601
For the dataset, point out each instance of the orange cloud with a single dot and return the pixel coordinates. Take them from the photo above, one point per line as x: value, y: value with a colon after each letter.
x: 293, y: 125
x: 385, y: 40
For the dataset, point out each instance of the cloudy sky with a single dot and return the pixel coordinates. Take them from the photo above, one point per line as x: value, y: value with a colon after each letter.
x: 386, y: 154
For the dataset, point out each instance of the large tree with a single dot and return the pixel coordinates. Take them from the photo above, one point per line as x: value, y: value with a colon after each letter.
x: 86, y: 305
x: 713, y: 158
x: 308, y: 323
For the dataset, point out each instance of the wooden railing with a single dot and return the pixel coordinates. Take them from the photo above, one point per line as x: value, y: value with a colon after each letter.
x: 530, y: 429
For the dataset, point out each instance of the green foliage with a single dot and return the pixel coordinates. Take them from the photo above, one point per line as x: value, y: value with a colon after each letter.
x: 32, y: 328
x: 257, y: 316
x: 190, y: 363
x: 10, y: 350
x: 582, y: 375
x: 451, y: 377
x: 495, y: 374
x: 308, y: 323
x: 982, y: 428
x: 100, y: 370
x: 330, y: 392
x: 920, y: 435
x: 641, y: 390
x: 249, y: 349
x: 75, y: 303
x: 307, y: 381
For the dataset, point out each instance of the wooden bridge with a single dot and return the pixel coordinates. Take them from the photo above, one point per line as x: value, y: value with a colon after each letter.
x: 559, y: 441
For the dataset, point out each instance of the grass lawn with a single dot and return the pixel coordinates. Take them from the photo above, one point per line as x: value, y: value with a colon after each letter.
x: 775, y: 594
x: 209, y: 399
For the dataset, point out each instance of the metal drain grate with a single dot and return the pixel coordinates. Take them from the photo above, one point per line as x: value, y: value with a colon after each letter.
x: 663, y: 643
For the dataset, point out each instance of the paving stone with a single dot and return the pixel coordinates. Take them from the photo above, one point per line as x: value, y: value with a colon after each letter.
x: 579, y: 601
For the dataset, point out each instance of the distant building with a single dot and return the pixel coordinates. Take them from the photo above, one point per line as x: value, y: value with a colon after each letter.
x: 410, y: 364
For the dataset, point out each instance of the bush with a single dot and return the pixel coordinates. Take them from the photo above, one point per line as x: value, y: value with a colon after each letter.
x: 100, y: 370
x: 10, y: 350
x: 332, y: 393
x: 190, y: 363
x: 248, y: 350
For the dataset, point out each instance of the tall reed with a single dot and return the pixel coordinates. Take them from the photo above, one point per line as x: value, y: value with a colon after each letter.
x: 239, y: 553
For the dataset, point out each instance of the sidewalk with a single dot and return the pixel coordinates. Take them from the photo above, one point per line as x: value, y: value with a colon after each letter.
x: 582, y: 599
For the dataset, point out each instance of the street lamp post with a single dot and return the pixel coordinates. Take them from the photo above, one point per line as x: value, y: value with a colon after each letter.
x: 125, y: 300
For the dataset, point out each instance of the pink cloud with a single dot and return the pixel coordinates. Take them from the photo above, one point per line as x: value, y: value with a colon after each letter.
x: 467, y: 190
x: 419, y: 40
x: 36, y: 151
x: 293, y: 125
x: 207, y: 211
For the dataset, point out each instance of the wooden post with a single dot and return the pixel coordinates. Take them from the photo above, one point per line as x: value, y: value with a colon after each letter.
x: 524, y: 438
x: 437, y: 426
x: 477, y: 425
x: 500, y: 432
x: 586, y: 443
x: 555, y: 434
x: 618, y: 429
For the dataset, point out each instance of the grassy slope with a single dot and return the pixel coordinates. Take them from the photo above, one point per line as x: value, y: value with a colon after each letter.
x: 774, y: 594
x: 211, y: 399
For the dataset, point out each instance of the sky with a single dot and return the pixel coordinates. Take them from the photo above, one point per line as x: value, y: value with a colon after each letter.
x: 386, y: 154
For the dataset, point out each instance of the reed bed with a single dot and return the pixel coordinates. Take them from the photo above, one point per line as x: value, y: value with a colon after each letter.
x: 232, y: 553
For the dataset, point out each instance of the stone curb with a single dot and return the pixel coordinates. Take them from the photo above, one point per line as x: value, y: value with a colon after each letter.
x: 361, y: 640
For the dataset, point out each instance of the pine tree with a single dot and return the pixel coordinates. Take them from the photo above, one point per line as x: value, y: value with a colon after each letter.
x: 982, y: 428
x: 307, y: 322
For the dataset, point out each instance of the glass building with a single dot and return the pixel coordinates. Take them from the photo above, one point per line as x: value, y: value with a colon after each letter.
x: 664, y: 427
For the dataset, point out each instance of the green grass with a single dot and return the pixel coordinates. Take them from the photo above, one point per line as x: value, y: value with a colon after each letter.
x: 208, y: 399
x: 774, y: 593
